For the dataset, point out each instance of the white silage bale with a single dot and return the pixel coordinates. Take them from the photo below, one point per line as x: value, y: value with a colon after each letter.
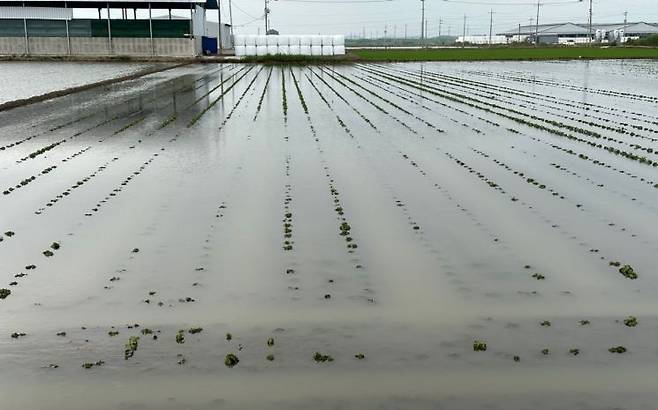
x: 240, y: 50
x: 316, y: 50
x: 316, y: 40
x: 250, y: 50
x: 272, y: 40
x: 239, y: 40
x: 261, y: 50
x: 339, y: 40
x: 305, y: 50
x: 327, y: 50
x: 284, y: 40
x: 339, y: 50
x: 250, y: 40
x: 293, y: 40
x: 294, y: 50
x: 261, y: 40
x: 304, y: 40
x: 273, y: 50
x: 327, y: 41
x: 284, y: 50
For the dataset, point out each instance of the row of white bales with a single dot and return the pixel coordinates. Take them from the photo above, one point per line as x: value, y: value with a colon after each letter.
x: 307, y: 45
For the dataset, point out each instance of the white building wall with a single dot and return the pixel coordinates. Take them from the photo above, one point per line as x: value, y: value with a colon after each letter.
x: 98, y: 46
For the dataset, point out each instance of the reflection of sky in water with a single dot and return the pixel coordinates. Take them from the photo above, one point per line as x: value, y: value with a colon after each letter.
x: 22, y: 80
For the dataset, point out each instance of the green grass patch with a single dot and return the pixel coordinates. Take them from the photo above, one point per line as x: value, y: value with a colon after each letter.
x: 504, y: 53
x: 295, y: 60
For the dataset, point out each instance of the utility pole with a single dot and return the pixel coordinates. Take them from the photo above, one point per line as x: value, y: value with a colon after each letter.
x: 440, y: 22
x: 266, y: 12
x: 519, y: 32
x: 426, y: 29
x: 395, y: 31
x: 537, y: 25
x: 464, y: 34
x: 385, y: 30
x: 491, y: 13
x: 230, y: 15
x: 364, y: 32
x: 590, y: 21
x: 422, y: 20
x: 625, y: 24
x: 405, y: 31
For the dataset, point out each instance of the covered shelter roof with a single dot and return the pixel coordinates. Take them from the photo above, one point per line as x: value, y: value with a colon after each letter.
x: 565, y: 29
x: 123, y: 4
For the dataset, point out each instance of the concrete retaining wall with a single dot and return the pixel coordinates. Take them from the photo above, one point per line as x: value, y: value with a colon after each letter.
x: 98, y: 46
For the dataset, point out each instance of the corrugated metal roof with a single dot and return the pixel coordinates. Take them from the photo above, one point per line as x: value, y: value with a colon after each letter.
x: 579, y: 29
x: 128, y: 4
x: 642, y: 28
x: 36, y: 13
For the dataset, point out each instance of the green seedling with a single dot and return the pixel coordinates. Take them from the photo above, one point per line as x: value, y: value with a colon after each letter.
x: 630, y: 321
x: 479, y: 346
x: 321, y: 358
x: 584, y: 322
x: 113, y: 332
x: 4, y: 293
x: 628, y: 272
x: 617, y: 349
x: 574, y: 351
x: 360, y: 356
x: 195, y: 330
x: 180, y: 337
x: 270, y: 341
x: 545, y: 323
x: 545, y: 352
x: 55, y: 246
x: 538, y: 276
x: 229, y: 337
x: 231, y: 360
x: 131, y: 347
x: 270, y: 357
x: 48, y: 253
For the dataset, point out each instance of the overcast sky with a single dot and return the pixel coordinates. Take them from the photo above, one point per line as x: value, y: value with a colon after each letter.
x: 350, y: 17
x: 353, y: 17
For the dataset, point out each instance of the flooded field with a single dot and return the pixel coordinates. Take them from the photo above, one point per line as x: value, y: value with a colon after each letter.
x: 417, y: 236
x: 28, y: 79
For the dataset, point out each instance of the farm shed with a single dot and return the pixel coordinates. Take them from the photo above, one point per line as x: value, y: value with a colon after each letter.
x: 122, y: 28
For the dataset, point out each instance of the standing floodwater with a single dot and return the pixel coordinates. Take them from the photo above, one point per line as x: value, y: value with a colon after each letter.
x: 458, y: 235
x: 24, y: 80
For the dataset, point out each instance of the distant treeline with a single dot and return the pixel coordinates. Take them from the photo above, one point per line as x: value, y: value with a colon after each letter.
x: 400, y: 42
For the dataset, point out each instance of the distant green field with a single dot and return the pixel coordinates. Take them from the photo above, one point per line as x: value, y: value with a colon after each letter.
x: 500, y: 53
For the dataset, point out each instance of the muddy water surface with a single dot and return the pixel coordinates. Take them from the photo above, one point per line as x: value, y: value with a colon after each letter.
x: 386, y: 216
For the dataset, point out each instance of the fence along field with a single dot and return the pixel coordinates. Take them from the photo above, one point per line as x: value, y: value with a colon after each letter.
x: 273, y: 236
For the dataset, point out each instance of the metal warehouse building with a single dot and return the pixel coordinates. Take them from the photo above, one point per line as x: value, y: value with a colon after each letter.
x: 571, y: 33
x: 32, y: 27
